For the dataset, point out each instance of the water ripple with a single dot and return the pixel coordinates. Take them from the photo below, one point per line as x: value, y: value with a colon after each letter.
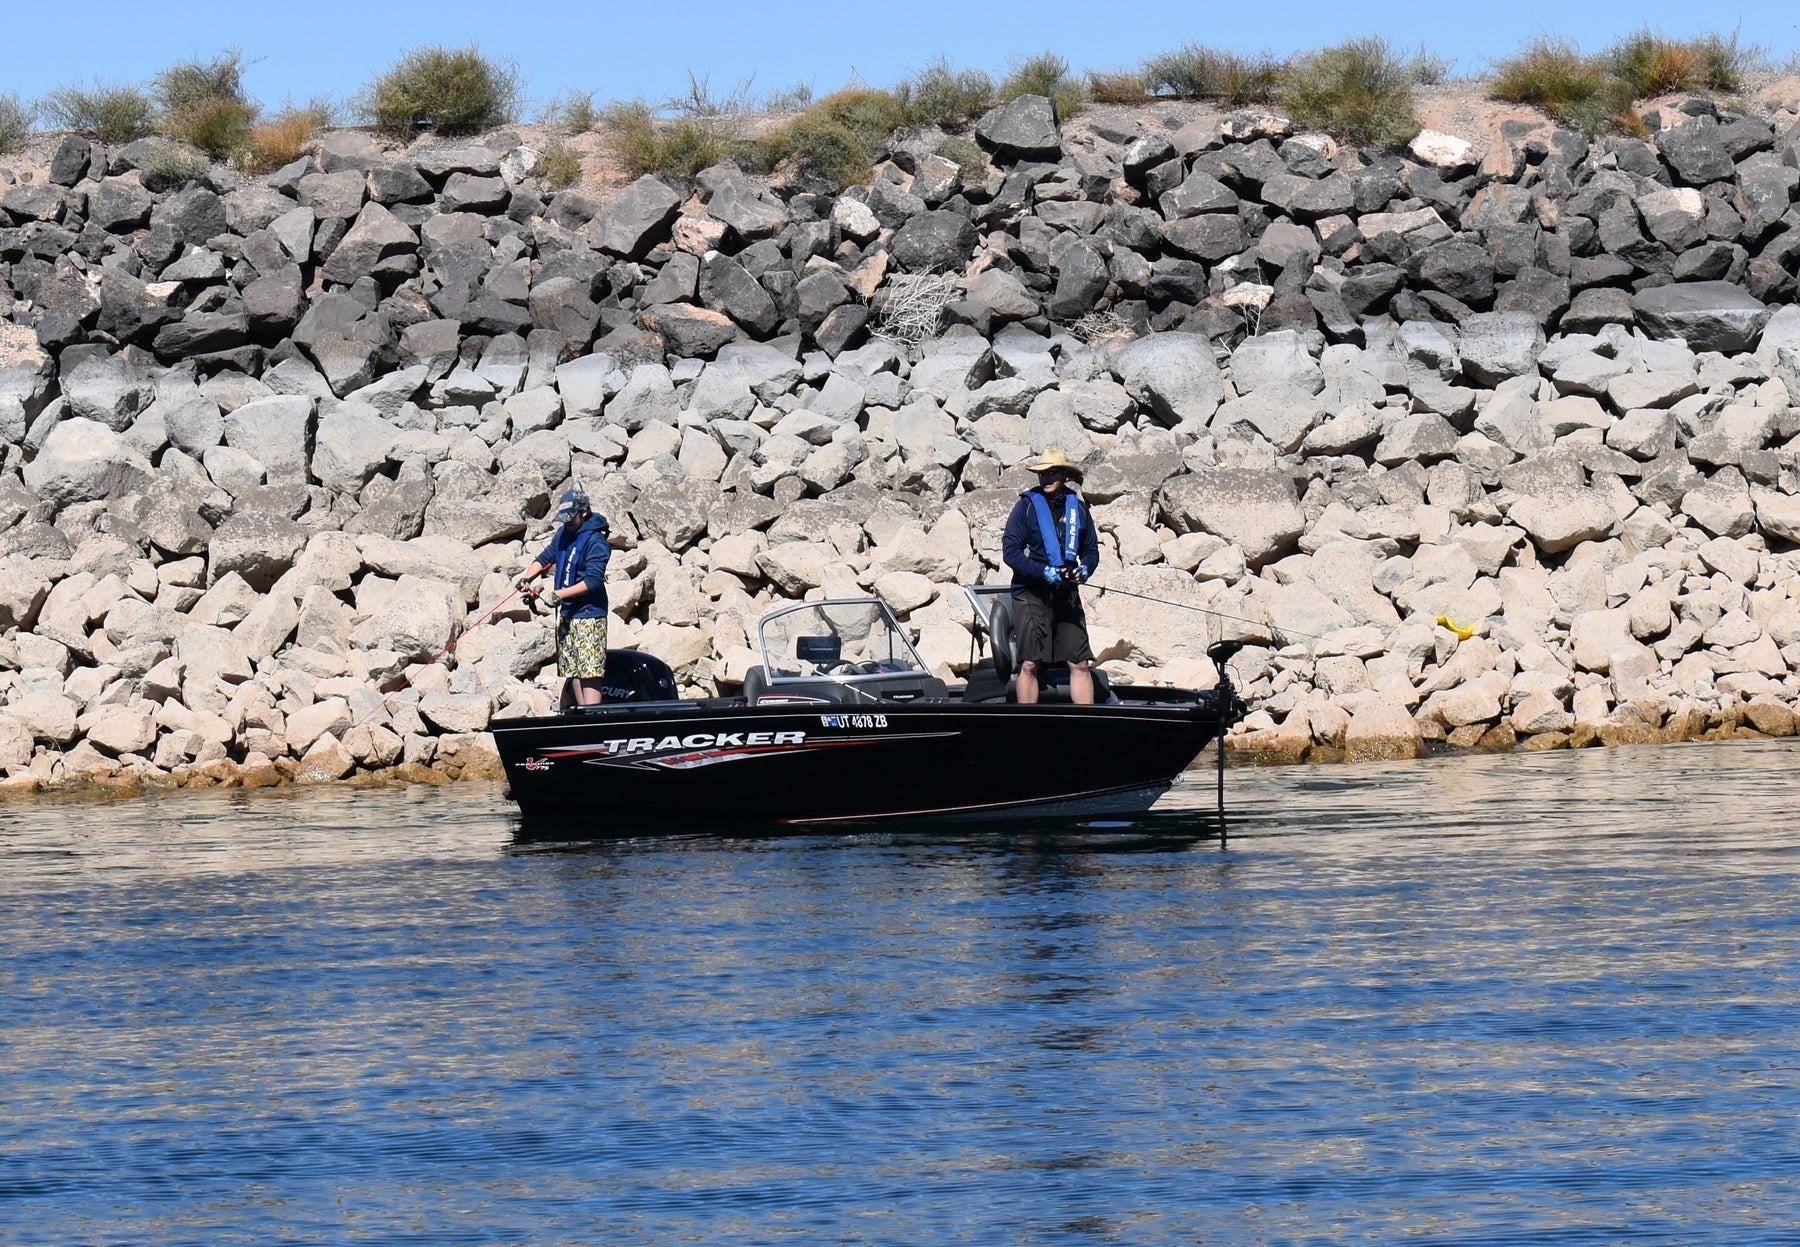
x: 1522, y: 999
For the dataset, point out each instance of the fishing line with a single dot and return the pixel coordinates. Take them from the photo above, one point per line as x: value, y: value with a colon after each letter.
x: 1188, y: 606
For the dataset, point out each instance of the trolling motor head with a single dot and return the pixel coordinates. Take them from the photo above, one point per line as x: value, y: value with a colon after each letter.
x: 1225, y: 699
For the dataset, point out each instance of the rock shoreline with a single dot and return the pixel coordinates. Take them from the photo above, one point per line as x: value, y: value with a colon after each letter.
x: 271, y: 442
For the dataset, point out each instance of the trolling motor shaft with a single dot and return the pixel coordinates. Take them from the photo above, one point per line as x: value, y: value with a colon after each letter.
x: 1229, y: 709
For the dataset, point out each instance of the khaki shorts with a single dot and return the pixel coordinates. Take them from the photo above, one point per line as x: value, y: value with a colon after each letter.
x: 581, y: 648
x: 1051, y: 627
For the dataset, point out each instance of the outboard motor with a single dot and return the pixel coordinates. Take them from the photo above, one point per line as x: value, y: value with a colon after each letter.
x: 631, y: 675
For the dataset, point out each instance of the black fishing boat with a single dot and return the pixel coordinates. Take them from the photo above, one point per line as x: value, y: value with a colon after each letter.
x: 843, y: 724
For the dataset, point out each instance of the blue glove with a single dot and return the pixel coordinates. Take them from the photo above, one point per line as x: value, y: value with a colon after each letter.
x: 1053, y: 575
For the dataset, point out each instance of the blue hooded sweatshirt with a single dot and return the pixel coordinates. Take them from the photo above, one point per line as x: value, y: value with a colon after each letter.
x: 581, y: 557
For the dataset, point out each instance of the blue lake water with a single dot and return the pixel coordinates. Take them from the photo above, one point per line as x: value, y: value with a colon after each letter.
x: 1546, y: 998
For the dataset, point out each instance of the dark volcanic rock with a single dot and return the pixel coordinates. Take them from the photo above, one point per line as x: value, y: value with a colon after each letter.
x: 1026, y: 127
x: 934, y: 242
x: 1707, y: 315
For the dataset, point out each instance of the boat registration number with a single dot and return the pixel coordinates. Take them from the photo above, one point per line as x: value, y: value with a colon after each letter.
x: 853, y: 720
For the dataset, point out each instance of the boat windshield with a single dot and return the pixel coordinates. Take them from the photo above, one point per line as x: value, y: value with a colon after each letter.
x: 851, y: 637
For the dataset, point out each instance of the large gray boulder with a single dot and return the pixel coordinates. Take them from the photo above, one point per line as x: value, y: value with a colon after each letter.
x: 1563, y: 518
x: 1173, y: 374
x: 352, y: 444
x: 258, y: 545
x: 277, y: 430
x: 1696, y: 152
x: 635, y: 219
x: 84, y: 461
x: 1707, y: 315
x: 726, y: 286
x: 1025, y: 127
x: 1497, y: 345
x: 934, y: 242
x: 108, y: 389
x: 1256, y: 510
x: 376, y: 236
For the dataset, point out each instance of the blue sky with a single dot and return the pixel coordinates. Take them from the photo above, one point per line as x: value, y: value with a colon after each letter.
x: 333, y: 47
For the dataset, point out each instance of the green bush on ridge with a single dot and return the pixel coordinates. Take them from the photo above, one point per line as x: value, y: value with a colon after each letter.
x: 16, y: 118
x: 1045, y: 74
x: 202, y: 103
x: 1600, y: 92
x: 446, y: 90
x: 109, y: 112
x: 1359, y: 90
x: 941, y: 96
x: 1196, y: 71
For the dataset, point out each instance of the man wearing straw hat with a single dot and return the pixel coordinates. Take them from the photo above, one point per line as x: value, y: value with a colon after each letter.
x: 1051, y: 545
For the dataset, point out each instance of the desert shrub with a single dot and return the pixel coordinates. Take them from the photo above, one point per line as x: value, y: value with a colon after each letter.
x: 449, y: 90
x: 110, y: 112
x: 282, y: 139
x: 1358, y: 90
x: 1652, y: 64
x: 941, y: 96
x: 1045, y: 74
x: 561, y: 167
x: 1554, y: 75
x: 1199, y: 72
x: 1123, y: 86
x: 192, y: 82
x: 219, y: 127
x: 572, y: 112
x: 1551, y: 74
x: 203, y: 104
x: 682, y: 146
x: 1724, y: 62
x: 910, y: 307
x: 175, y: 163
x: 968, y: 157
x: 1428, y: 69
x: 819, y: 142
x: 15, y: 122
x: 840, y: 136
x: 796, y: 98
x: 871, y: 115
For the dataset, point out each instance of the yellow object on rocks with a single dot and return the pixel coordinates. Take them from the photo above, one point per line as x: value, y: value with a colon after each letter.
x: 1462, y: 633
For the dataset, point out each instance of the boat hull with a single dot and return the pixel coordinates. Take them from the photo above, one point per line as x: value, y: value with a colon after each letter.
x: 627, y: 771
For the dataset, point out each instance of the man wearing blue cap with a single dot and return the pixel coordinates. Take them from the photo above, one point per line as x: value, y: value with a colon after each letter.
x: 578, y: 555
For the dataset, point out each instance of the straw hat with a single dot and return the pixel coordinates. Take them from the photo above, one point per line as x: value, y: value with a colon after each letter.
x: 1055, y: 458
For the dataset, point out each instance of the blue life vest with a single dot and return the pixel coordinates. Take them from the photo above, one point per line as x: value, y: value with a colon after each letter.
x: 1067, y: 550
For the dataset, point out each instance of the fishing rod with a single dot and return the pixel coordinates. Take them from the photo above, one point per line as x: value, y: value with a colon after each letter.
x: 403, y: 685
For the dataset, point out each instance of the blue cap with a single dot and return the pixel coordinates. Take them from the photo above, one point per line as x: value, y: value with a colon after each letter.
x: 573, y: 503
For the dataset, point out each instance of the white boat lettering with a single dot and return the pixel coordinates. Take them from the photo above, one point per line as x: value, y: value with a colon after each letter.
x: 697, y: 740
x: 853, y: 720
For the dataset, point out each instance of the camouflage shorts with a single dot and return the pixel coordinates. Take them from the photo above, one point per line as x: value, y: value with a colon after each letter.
x: 581, y: 648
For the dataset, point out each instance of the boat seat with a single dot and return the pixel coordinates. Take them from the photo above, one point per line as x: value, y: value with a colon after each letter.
x: 898, y: 687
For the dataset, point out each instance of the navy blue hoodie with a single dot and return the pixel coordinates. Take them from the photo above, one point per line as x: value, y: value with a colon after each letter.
x: 582, y: 557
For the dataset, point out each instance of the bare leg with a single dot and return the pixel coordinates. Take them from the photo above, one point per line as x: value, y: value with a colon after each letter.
x: 1081, y: 684
x: 1026, y: 690
x: 587, y: 692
